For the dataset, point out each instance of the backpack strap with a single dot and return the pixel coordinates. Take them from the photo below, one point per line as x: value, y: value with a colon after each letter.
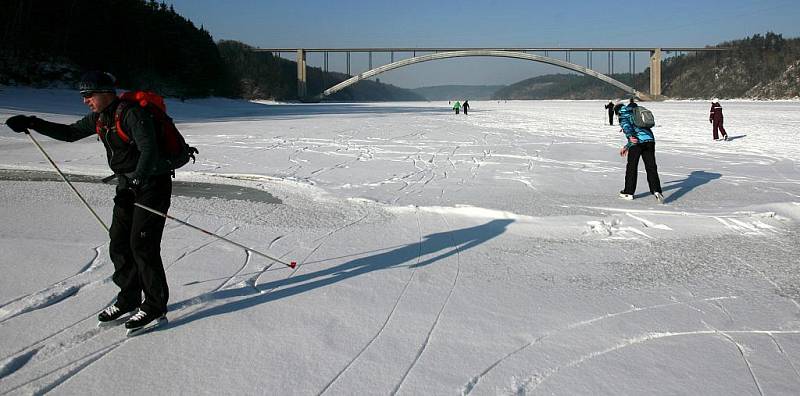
x: 118, y: 121
x: 99, y: 125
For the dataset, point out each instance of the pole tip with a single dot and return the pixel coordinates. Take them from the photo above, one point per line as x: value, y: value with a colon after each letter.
x: 293, y: 264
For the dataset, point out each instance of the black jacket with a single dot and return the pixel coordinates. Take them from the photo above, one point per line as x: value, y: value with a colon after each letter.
x: 138, y: 158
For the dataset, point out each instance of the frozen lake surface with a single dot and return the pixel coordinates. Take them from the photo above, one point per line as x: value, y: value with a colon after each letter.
x: 438, y: 254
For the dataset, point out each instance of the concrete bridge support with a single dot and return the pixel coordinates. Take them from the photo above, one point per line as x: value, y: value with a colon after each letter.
x: 655, y: 73
x: 302, y: 77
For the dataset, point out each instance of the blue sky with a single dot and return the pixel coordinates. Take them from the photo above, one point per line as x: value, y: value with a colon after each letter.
x: 487, y: 23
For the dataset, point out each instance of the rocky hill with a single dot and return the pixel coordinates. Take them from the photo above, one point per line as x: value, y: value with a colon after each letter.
x: 759, y: 67
x: 787, y: 85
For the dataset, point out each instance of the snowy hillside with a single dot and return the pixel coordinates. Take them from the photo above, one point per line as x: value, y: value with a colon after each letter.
x: 438, y: 254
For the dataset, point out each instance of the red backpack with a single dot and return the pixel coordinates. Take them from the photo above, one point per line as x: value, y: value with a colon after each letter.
x: 171, y: 143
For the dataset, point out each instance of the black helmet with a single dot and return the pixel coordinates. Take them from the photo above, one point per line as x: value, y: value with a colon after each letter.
x: 96, y: 81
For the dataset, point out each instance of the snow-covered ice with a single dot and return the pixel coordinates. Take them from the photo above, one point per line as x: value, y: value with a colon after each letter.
x: 438, y: 254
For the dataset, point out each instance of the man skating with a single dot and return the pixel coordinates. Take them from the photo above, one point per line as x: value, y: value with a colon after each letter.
x: 144, y: 177
x: 610, y: 111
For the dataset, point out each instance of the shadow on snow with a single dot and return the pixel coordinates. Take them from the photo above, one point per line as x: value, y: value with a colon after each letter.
x: 683, y: 186
x: 443, y: 244
x: 735, y: 137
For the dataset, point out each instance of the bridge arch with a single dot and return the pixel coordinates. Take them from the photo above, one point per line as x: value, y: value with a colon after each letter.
x: 494, y: 53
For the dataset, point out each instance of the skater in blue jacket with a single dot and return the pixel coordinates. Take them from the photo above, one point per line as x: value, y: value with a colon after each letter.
x: 640, y: 143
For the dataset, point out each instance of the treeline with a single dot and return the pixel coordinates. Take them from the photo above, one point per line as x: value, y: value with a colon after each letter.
x: 458, y: 92
x: 564, y: 86
x: 147, y: 45
x: 762, y: 66
x: 755, y: 67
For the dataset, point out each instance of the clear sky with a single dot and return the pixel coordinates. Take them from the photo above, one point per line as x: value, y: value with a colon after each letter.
x: 486, y: 23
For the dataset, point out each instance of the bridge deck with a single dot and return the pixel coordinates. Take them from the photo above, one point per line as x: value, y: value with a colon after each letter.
x: 441, y: 49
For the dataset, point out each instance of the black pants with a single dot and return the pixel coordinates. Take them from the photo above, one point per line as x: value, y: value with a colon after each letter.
x: 611, y: 118
x: 647, y: 151
x: 135, y: 246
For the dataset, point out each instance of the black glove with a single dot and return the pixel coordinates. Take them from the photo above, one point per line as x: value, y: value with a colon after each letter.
x: 132, y: 184
x: 20, y: 123
x: 127, y: 190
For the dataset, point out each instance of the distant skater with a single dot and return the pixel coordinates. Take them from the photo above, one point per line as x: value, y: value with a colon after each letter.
x: 610, y: 110
x: 617, y: 106
x: 715, y: 118
x: 457, y: 106
x: 465, y: 106
x: 641, y: 143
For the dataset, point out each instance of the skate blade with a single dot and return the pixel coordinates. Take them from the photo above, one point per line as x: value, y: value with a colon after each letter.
x: 113, y: 323
x: 149, y: 327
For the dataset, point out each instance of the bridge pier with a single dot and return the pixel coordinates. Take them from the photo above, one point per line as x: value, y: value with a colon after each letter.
x: 302, y: 78
x: 655, y: 73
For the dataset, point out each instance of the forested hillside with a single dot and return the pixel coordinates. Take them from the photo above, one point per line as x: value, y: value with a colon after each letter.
x: 458, y: 92
x: 765, y: 67
x: 147, y: 45
x: 562, y: 86
x: 761, y: 66
x: 143, y: 43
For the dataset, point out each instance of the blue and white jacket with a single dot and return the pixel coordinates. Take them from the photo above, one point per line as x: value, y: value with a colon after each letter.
x: 626, y: 122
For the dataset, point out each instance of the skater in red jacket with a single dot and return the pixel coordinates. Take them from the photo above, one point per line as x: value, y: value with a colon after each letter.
x: 715, y: 118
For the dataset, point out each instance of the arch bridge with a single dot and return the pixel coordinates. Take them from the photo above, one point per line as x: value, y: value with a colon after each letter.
x: 430, y: 54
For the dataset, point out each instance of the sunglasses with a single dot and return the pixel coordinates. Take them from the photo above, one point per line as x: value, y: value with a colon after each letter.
x: 87, y: 95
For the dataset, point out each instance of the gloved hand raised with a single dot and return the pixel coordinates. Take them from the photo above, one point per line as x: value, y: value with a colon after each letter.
x: 20, y: 123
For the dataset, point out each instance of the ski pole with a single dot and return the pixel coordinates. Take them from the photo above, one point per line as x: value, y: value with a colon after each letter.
x: 291, y: 264
x: 67, y: 181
